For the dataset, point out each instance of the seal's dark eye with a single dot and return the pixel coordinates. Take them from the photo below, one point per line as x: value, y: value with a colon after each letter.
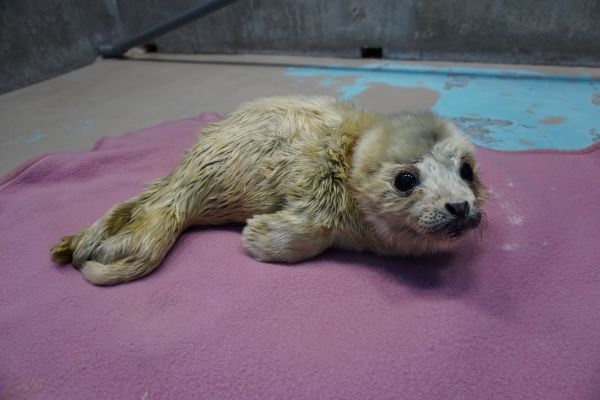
x: 466, y: 172
x: 405, y: 181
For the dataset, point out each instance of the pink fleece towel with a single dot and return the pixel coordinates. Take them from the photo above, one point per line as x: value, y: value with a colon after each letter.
x: 512, y: 315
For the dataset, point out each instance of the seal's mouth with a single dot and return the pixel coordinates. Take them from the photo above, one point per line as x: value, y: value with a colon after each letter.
x: 456, y: 228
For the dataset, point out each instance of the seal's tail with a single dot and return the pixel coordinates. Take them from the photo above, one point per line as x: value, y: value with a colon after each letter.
x: 129, y: 242
x: 62, y: 253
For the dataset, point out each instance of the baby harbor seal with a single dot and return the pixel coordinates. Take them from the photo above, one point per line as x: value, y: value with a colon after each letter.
x: 305, y: 174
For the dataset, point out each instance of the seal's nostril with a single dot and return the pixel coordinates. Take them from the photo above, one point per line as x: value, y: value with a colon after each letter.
x: 460, y: 210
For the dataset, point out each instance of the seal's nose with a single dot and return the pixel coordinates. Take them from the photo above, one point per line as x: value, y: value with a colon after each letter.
x: 459, y: 210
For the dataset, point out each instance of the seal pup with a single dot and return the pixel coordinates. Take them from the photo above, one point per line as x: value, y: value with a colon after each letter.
x: 304, y: 174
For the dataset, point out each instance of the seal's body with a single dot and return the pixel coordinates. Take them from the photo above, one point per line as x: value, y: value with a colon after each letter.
x: 306, y: 174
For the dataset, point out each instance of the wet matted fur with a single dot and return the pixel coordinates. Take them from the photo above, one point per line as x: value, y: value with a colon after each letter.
x: 305, y: 174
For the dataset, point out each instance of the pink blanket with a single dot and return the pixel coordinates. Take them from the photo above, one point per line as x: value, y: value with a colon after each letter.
x: 512, y: 315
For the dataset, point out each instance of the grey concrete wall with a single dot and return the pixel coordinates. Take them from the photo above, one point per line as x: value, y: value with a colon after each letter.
x: 43, y: 38
x: 532, y: 31
x: 40, y: 39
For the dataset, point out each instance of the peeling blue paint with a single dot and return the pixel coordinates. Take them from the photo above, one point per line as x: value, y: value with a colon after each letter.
x: 497, y: 108
x: 88, y: 124
x: 33, y: 138
x: 75, y: 130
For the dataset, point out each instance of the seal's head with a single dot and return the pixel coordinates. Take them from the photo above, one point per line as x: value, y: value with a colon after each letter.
x: 416, y: 180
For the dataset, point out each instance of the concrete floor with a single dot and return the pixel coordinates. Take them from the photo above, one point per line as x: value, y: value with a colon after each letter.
x: 111, y: 97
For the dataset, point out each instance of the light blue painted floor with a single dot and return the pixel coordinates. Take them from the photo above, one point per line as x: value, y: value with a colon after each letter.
x: 498, y: 108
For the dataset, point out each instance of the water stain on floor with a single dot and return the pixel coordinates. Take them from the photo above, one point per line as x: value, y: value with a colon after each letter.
x: 456, y: 81
x: 324, y: 85
x: 553, y: 120
x: 397, y: 99
x: 526, y: 142
x: 480, y: 129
